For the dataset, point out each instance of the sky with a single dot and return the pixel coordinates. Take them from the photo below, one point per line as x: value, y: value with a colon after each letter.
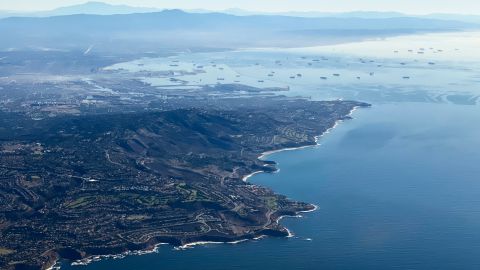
x: 405, y: 6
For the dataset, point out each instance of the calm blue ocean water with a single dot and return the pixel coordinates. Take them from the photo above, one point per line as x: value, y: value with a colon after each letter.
x: 398, y: 187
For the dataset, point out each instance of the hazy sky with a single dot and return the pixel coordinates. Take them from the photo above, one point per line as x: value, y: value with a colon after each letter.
x: 407, y: 6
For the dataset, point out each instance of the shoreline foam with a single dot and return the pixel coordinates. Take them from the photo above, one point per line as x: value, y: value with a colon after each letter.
x: 96, y: 258
x: 54, y: 266
x: 199, y: 243
x: 245, y: 178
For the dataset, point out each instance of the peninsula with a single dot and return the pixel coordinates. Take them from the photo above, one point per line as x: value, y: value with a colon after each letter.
x: 75, y: 186
x: 97, y: 161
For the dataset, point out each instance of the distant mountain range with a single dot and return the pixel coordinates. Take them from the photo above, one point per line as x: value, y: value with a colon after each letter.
x: 352, y: 14
x: 100, y: 8
x: 93, y: 8
x: 312, y: 14
x: 179, y: 30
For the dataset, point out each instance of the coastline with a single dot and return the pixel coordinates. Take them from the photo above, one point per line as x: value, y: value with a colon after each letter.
x: 94, y: 258
x: 317, y: 143
x: 245, y: 178
x: 54, y: 266
x: 263, y: 234
x: 199, y: 243
x: 290, y: 233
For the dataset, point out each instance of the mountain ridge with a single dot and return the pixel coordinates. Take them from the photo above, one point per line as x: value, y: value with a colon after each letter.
x: 102, y: 8
x: 179, y: 29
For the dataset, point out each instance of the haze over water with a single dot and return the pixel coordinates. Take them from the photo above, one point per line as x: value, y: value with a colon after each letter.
x: 398, y: 187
